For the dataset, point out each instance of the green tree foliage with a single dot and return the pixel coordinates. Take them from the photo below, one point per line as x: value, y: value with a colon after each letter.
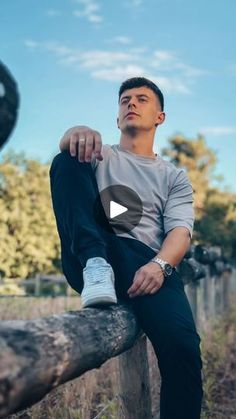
x: 217, y: 224
x: 198, y: 160
x: 215, y: 209
x: 28, y: 237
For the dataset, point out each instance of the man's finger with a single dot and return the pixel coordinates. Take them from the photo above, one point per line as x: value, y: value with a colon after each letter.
x: 81, y: 147
x: 152, y: 288
x: 89, y: 147
x: 142, y: 289
x: 138, y: 279
x: 73, y: 144
x: 98, y: 146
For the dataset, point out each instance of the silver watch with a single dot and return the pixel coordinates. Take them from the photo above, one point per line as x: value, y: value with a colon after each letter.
x: 166, y: 268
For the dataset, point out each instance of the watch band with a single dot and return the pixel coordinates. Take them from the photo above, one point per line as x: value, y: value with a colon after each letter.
x: 160, y: 262
x: 166, y: 268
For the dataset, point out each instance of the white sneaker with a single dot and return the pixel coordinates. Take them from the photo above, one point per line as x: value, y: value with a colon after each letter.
x: 99, y: 282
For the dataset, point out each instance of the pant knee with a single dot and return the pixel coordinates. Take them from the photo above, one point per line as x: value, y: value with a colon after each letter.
x: 66, y: 164
x: 185, y: 350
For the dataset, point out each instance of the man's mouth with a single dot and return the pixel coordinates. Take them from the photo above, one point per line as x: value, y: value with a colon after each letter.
x: 131, y: 114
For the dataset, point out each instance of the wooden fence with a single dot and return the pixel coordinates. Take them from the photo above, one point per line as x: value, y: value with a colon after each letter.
x: 46, y: 352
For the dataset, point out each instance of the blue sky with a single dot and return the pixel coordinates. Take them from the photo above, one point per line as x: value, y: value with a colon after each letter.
x: 70, y: 56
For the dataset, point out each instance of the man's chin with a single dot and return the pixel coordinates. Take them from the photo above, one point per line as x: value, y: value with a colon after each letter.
x: 131, y: 129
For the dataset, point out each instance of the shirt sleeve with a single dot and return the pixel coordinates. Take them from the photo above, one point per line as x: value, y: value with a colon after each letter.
x: 178, y: 211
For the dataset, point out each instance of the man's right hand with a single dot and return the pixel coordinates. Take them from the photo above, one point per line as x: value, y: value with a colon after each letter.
x: 82, y: 141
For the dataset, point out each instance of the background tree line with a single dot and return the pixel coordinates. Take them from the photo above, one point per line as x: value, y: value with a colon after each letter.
x: 28, y: 237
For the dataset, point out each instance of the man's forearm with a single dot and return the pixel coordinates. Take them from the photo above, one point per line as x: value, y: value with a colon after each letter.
x: 175, y: 246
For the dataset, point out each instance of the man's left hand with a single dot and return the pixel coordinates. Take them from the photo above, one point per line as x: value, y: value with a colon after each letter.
x: 147, y: 280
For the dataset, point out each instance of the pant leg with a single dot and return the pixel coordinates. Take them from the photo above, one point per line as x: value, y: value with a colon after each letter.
x: 74, y: 195
x: 166, y: 318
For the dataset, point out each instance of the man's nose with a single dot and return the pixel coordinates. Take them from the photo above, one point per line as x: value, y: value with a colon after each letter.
x: 132, y: 103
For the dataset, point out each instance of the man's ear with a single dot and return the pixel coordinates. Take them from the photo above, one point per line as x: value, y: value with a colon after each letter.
x: 160, y: 118
x: 117, y: 121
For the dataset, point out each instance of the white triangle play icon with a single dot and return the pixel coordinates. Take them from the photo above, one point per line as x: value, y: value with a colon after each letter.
x: 116, y: 209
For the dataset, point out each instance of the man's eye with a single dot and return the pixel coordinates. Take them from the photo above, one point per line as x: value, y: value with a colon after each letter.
x: 124, y: 101
x: 142, y: 99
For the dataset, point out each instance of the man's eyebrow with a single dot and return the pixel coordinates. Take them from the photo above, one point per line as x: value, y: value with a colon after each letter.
x: 139, y: 95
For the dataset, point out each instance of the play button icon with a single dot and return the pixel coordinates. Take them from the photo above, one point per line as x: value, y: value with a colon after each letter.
x: 116, y: 209
x: 122, y: 206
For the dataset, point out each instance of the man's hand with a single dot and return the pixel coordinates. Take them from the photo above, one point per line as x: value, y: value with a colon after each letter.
x: 83, y: 142
x: 147, y: 280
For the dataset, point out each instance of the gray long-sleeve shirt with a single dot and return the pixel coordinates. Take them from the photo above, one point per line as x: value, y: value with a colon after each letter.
x: 164, y: 189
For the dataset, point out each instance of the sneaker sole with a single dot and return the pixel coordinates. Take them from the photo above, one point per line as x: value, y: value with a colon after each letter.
x: 104, y: 301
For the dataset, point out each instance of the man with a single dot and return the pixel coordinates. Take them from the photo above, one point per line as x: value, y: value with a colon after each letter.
x: 136, y: 264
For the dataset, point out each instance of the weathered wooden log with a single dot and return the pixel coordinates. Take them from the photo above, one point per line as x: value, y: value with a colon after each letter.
x: 38, y: 355
x: 190, y: 252
x: 9, y: 103
x: 191, y: 270
x: 206, y: 255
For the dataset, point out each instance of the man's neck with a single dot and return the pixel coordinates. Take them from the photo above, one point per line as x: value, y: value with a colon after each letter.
x: 138, y: 144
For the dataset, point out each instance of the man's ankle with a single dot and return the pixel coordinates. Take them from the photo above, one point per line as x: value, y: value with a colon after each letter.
x: 98, y: 260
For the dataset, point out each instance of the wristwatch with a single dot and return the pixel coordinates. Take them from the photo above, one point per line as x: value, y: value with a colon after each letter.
x: 166, y: 268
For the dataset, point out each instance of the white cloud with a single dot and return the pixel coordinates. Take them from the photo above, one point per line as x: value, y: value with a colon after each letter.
x: 171, y: 84
x: 190, y: 71
x: 115, y: 65
x: 118, y: 73
x: 133, y: 3
x: 98, y: 58
x: 164, y: 56
x: 169, y: 61
x: 31, y: 44
x: 89, y: 10
x: 124, y: 40
x: 218, y: 130
x: 53, y: 13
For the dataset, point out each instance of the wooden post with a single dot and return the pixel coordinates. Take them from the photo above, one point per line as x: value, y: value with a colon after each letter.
x: 191, y: 292
x: 201, y: 315
x: 37, y: 286
x: 226, y: 283
x: 134, y: 382
x: 209, y: 296
x: 218, y: 282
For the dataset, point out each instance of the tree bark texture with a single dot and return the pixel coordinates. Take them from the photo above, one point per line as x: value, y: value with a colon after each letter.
x: 38, y: 355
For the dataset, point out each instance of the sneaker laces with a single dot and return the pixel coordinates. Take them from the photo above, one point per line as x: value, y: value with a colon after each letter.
x: 96, y: 274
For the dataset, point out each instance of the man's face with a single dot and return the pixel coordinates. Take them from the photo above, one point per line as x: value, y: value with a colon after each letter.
x: 139, y: 108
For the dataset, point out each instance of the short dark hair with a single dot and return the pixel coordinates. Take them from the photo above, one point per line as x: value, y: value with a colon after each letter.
x: 140, y: 82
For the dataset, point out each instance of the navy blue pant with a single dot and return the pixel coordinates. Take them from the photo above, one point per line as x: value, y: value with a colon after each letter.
x: 165, y: 316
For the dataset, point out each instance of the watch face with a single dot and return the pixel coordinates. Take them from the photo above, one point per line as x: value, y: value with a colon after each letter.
x: 168, y: 269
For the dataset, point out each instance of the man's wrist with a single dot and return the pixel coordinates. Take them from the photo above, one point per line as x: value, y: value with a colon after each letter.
x: 166, y: 268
